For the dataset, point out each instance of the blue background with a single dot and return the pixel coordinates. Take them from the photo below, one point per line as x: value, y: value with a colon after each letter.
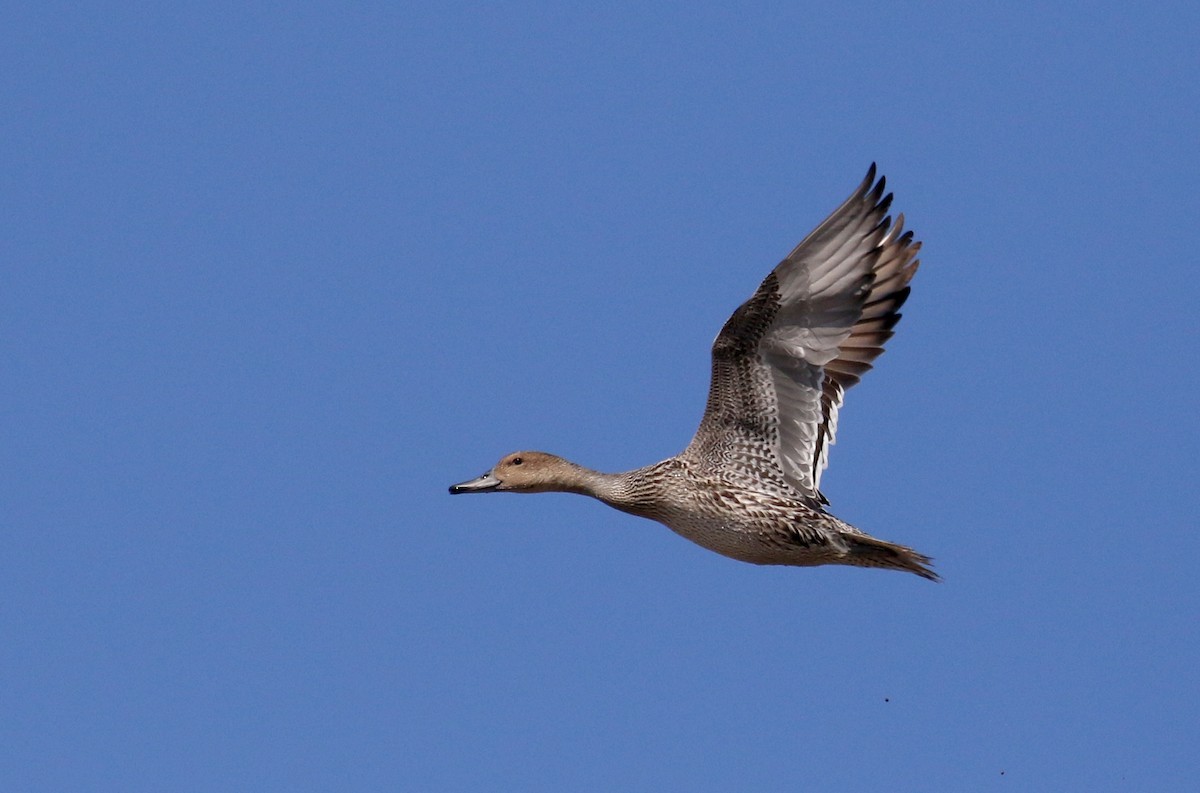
x: 271, y: 278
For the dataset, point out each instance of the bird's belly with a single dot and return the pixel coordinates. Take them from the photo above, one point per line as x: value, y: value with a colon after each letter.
x: 752, y: 542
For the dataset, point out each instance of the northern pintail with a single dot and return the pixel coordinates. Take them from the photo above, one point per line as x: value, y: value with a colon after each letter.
x: 748, y: 485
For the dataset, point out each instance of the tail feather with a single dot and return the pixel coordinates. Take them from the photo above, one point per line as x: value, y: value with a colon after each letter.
x: 865, y: 551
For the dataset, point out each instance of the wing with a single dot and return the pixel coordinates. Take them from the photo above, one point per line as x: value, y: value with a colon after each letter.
x: 783, y: 361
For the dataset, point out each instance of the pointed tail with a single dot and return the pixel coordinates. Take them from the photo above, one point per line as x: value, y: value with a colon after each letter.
x: 865, y: 551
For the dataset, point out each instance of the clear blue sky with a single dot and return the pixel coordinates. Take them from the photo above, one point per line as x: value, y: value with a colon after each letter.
x: 271, y: 279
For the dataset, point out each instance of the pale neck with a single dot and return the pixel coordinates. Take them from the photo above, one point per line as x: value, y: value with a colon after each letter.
x: 587, y: 482
x: 620, y: 490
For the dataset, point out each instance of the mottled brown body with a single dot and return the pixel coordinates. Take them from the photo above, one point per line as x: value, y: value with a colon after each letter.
x: 769, y: 526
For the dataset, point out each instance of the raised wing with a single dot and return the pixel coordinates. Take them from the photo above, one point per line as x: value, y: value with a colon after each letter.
x: 783, y: 361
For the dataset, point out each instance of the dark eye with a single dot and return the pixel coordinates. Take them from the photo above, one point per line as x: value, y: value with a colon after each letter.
x: 516, y: 461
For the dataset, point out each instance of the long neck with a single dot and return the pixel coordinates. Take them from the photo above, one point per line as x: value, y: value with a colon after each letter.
x: 629, y: 491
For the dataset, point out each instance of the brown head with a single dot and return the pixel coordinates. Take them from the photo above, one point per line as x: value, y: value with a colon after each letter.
x: 526, y: 472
